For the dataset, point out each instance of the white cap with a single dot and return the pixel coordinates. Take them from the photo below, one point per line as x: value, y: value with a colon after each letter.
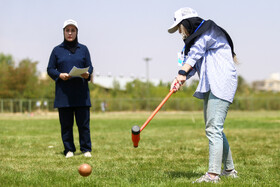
x: 70, y: 22
x: 181, y: 14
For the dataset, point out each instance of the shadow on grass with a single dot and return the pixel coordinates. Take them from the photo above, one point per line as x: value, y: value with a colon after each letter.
x: 181, y: 174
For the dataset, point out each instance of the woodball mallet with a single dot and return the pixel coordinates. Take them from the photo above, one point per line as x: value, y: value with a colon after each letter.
x: 136, y: 130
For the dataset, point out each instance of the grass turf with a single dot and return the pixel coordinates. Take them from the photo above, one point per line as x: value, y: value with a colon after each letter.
x: 173, y: 150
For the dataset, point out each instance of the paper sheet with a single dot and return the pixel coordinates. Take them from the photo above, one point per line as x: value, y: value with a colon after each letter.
x: 76, y: 72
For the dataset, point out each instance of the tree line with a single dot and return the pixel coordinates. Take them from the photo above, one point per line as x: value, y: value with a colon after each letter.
x: 22, y: 81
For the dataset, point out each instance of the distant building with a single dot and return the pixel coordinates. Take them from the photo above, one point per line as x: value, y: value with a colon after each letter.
x: 111, y: 82
x: 270, y: 84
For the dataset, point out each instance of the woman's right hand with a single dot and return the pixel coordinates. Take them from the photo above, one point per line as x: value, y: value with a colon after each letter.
x: 177, y: 83
x: 64, y: 76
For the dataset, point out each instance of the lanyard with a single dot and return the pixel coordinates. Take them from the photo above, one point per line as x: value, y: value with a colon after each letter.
x: 194, y: 32
x: 199, y: 26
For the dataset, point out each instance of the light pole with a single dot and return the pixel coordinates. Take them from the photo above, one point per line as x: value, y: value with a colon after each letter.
x: 147, y: 59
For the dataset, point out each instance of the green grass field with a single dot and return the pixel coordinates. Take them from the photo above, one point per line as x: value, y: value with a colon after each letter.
x: 173, y: 150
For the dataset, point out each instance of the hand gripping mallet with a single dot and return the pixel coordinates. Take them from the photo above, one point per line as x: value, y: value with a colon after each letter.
x: 136, y: 129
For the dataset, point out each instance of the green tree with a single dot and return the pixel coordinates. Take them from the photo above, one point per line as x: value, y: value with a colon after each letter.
x: 137, y: 89
x: 46, y: 88
x: 7, y: 73
x: 116, y: 88
x: 20, y: 81
x: 243, y: 88
x: 26, y: 79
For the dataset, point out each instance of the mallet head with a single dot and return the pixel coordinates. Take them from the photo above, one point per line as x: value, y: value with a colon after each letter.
x: 135, y: 135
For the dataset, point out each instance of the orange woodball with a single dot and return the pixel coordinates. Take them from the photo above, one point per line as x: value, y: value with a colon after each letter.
x: 85, y: 170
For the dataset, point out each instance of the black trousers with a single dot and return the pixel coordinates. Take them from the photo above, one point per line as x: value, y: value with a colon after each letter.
x: 66, y: 118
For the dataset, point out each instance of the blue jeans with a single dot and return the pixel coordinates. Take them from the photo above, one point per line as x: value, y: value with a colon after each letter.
x: 215, y: 112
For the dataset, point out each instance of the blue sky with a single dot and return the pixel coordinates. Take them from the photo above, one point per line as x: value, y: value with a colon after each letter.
x: 120, y: 33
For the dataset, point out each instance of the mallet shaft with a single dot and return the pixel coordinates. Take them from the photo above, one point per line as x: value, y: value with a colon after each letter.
x: 157, y: 109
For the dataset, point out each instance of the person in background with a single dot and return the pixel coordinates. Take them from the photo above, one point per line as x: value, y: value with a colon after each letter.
x: 103, y: 106
x: 209, y: 52
x: 72, y: 96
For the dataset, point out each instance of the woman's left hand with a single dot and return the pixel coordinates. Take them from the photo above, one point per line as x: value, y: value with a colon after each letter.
x: 85, y: 75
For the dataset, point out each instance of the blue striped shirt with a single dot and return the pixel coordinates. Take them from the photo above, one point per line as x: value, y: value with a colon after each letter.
x: 211, y: 58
